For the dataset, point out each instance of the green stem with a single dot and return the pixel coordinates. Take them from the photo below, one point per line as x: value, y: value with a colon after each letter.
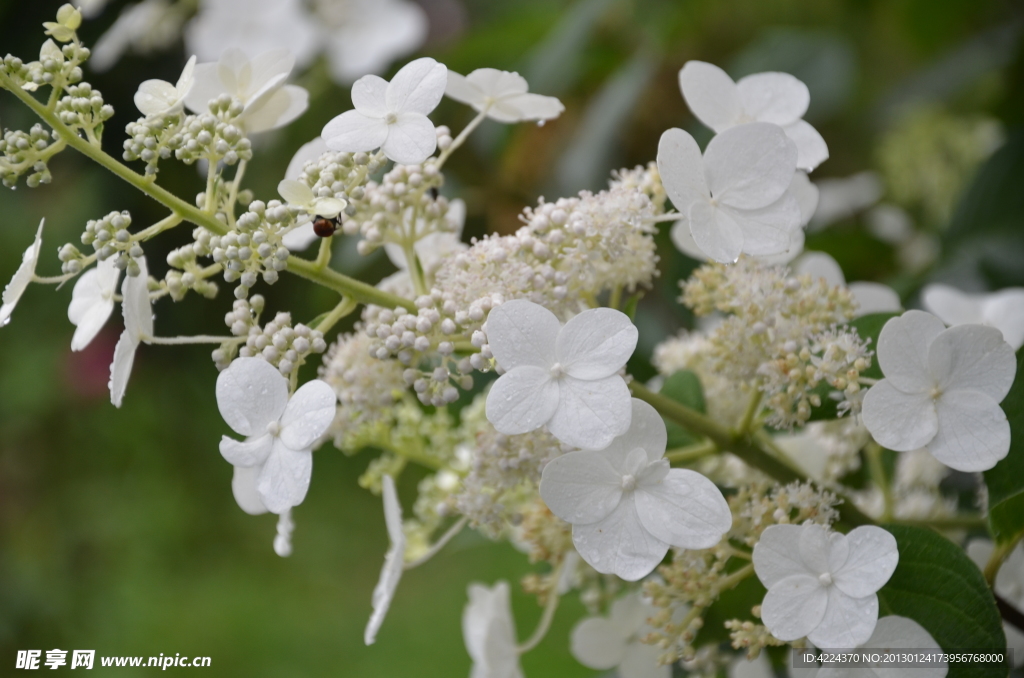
x: 323, y: 255
x: 735, y: 578
x: 331, y: 279
x: 751, y: 449
x: 463, y: 135
x: 616, y: 297
x: 874, y: 454
x: 344, y: 307
x: 948, y: 523
x: 549, y: 613
x: 198, y: 339
x: 439, y: 544
x: 999, y: 554
x: 684, y: 455
x: 753, y: 406
x: 233, y: 194
x: 167, y: 222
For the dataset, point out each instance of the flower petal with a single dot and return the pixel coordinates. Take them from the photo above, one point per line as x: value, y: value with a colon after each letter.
x: 619, y: 544
x: 328, y: 207
x: 590, y: 413
x: 646, y: 431
x: 284, y: 480
x: 777, y: 554
x: 268, y: 70
x: 21, y: 278
x: 308, y: 152
x: 206, y: 85
x: 682, y: 169
x: 819, y: 265
x: 641, y: 661
x: 847, y: 621
x: 417, y: 87
x: 903, y: 350
x: 136, y: 306
x: 716, y: 233
x: 596, y: 343
x: 352, y: 132
x: 300, y: 237
x: 750, y: 166
x: 874, y: 297
x: 685, y: 510
x: 973, y: 357
x: 815, y: 546
x: 794, y: 606
x: 394, y: 562
x: 369, y: 96
x: 1004, y: 310
x: 767, y: 230
x: 251, y: 394
x: 711, y: 94
x: 527, y: 107
x: 276, y: 110
x: 522, y: 400
x: 92, y: 302
x: 872, y: 560
x: 597, y: 644
x: 412, y: 139
x: 811, y: 149
x: 806, y: 195
x: 581, y: 487
x: 246, y: 453
x: 973, y: 433
x: 121, y: 367
x: 684, y: 242
x: 295, y: 192
x: 155, y: 96
x: 308, y: 414
x: 243, y: 487
x: 892, y: 633
x: 498, y: 84
x: 897, y: 420
x: 460, y: 88
x: 778, y: 98
x: 521, y: 332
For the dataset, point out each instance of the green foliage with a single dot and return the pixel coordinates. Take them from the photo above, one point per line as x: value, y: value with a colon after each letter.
x: 1006, y: 480
x: 683, y: 387
x: 938, y: 586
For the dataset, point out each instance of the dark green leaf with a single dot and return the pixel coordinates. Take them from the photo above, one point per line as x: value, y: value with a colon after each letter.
x: 1006, y: 480
x: 683, y: 387
x: 938, y: 586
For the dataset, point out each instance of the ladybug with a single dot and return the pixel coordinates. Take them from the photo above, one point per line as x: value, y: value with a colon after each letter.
x: 325, y: 227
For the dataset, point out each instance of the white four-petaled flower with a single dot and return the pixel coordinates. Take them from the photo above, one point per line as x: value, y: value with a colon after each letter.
x: 564, y: 377
x: 22, y: 277
x: 823, y: 584
x: 300, y: 195
x: 778, y: 98
x: 159, y: 97
x: 394, y: 560
x: 392, y: 116
x: 504, y: 95
x: 92, y: 302
x: 605, y: 643
x: 627, y: 507
x: 735, y: 197
x: 490, y: 632
x: 941, y: 391
x: 138, y: 327
x: 1003, y: 310
x: 871, y: 297
x: 253, y: 399
x: 259, y: 83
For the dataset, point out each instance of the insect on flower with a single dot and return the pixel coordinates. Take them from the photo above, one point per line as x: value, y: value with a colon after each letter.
x: 325, y: 227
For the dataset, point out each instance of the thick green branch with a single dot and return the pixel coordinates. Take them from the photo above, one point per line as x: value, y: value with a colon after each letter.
x: 747, y: 447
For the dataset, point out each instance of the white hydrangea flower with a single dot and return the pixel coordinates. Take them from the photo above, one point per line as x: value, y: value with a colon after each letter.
x: 778, y: 98
x: 144, y: 27
x: 301, y: 236
x: 254, y: 26
x: 823, y: 584
x: 394, y: 560
x: 300, y: 195
x: 1003, y: 310
x: 243, y: 488
x: 505, y: 95
x: 627, y: 507
x: 253, y: 399
x: 800, y: 189
x: 22, y: 277
x: 159, y: 97
x: 735, y: 197
x: 564, y: 377
x: 392, y: 116
x: 871, y: 297
x: 941, y: 391
x: 490, y: 632
x: 892, y: 633
x: 259, y: 83
x: 842, y: 197
x: 606, y: 643
x: 365, y: 36
x: 138, y: 327
x: 92, y: 302
x: 1009, y: 585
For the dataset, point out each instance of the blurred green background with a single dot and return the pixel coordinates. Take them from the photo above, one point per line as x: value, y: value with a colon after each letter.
x: 118, y: 531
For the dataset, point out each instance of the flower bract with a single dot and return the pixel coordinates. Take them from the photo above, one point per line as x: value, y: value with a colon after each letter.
x: 871, y: 297
x: 490, y: 632
x: 1003, y: 310
x: 138, y: 327
x: 394, y: 560
x: 22, y: 277
x: 92, y: 302
x: 564, y: 377
x: 627, y: 507
x: 158, y: 97
x: 504, y: 95
x: 604, y: 643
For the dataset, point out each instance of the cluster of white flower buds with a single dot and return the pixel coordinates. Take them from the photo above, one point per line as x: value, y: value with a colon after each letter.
x: 283, y: 346
x: 109, y: 236
x: 153, y: 139
x: 83, y: 106
x: 187, y: 274
x: 255, y: 248
x: 342, y: 175
x: 215, y: 136
x: 57, y: 64
x: 23, y: 152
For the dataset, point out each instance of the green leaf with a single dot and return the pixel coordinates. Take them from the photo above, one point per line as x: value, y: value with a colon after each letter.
x: 1005, y: 480
x: 868, y: 327
x: 938, y: 586
x: 683, y: 387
